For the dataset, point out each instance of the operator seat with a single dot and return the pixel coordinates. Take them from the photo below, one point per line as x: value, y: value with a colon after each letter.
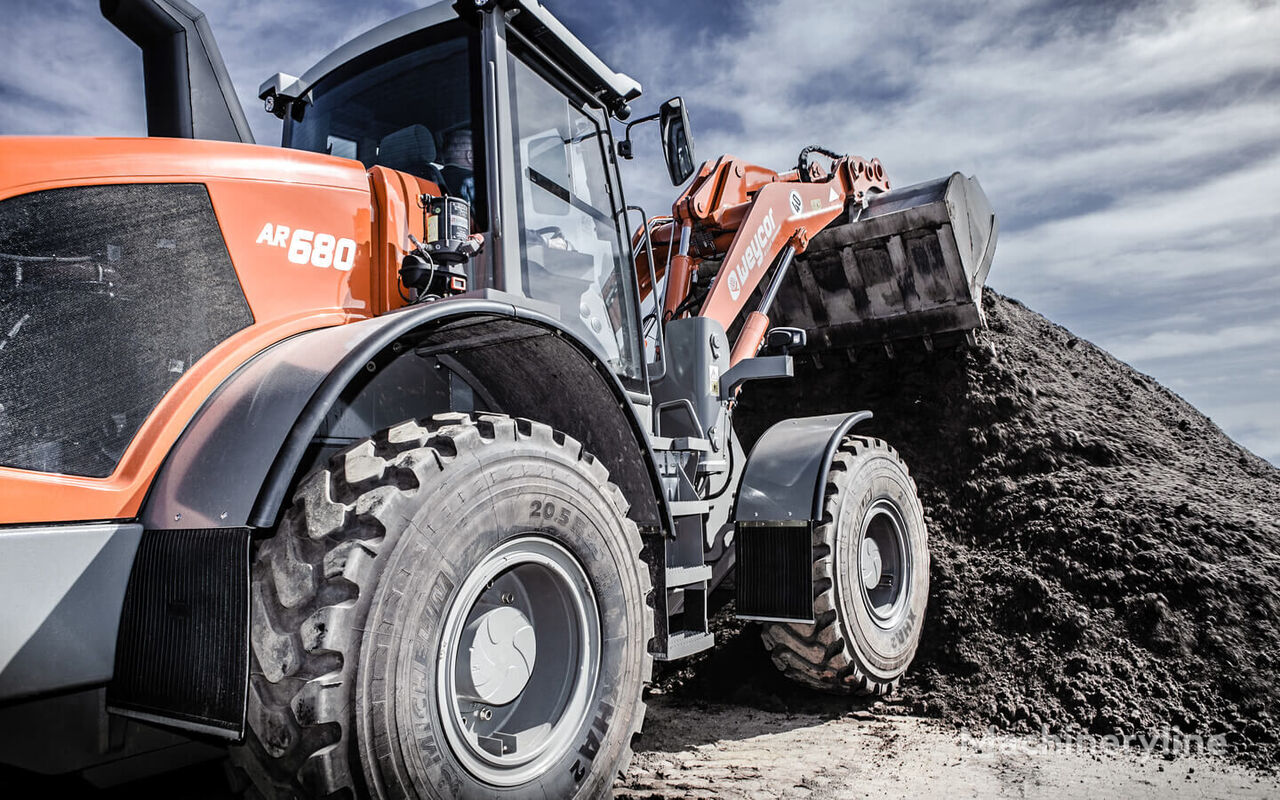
x: 413, y: 150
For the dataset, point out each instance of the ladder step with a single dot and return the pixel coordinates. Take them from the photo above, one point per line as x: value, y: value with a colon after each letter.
x: 688, y: 508
x: 684, y: 643
x: 690, y: 443
x: 687, y: 576
x: 716, y: 467
x: 679, y: 443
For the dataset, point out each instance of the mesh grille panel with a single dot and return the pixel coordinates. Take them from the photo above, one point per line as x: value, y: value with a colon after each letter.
x: 183, y: 647
x: 108, y: 294
x: 774, y: 572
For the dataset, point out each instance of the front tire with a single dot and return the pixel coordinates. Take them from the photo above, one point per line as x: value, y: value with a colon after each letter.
x: 455, y: 609
x: 871, y: 578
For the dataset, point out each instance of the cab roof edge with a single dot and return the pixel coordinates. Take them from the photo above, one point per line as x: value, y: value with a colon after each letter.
x: 617, y: 88
x: 532, y: 20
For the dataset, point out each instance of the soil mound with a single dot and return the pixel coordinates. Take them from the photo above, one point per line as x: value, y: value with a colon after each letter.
x: 1104, y: 558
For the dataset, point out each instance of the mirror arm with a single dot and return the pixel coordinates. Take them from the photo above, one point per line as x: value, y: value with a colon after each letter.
x: 624, y: 146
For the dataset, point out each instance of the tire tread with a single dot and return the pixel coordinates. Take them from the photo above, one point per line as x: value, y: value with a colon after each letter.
x: 307, y: 581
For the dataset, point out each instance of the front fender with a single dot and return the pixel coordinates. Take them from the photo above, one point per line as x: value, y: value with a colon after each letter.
x: 779, y: 504
x: 282, y: 414
x: 787, y: 469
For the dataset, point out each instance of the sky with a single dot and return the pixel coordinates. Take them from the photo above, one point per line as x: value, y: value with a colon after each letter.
x: 1131, y: 149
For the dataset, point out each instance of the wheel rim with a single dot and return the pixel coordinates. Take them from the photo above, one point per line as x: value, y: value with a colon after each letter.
x: 519, y: 661
x: 884, y: 564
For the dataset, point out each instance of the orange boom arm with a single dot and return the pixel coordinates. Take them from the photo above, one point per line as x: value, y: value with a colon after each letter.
x: 747, y: 216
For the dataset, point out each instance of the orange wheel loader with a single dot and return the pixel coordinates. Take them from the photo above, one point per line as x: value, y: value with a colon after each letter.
x: 388, y: 460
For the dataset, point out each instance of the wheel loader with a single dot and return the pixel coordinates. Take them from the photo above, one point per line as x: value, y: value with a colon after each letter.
x: 391, y: 476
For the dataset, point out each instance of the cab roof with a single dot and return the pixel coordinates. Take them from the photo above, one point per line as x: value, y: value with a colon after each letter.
x: 531, y: 19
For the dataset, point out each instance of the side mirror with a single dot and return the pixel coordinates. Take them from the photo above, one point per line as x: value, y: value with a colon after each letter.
x: 677, y: 140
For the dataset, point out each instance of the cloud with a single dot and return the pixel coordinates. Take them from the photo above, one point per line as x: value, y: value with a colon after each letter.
x: 1180, y: 344
x: 1254, y: 423
x: 58, y: 66
x: 67, y: 71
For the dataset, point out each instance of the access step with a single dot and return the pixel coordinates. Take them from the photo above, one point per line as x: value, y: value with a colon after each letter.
x: 687, y: 576
x: 684, y: 643
x: 688, y: 508
x: 680, y: 444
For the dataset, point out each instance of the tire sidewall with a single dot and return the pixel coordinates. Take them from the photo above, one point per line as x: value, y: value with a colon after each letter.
x: 448, y: 532
x: 879, y: 478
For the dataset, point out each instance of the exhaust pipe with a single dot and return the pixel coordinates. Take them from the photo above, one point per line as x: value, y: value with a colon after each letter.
x: 189, y: 93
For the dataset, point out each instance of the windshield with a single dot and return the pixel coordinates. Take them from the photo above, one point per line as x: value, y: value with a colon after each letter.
x: 570, y: 241
x: 411, y: 106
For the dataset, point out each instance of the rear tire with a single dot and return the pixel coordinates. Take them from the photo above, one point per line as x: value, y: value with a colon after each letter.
x: 401, y: 613
x: 871, y: 578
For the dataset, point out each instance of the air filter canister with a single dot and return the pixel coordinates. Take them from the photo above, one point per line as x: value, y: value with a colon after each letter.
x: 448, y: 228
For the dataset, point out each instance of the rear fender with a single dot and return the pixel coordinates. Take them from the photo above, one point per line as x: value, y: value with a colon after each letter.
x: 290, y: 407
x: 280, y: 416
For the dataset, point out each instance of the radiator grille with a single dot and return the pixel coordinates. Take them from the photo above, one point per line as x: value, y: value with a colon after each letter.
x: 183, y: 651
x: 108, y: 295
x: 775, y: 571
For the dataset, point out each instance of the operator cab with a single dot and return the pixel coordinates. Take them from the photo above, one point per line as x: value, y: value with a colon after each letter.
x: 531, y: 105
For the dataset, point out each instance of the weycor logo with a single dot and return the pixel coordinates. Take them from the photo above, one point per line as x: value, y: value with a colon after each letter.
x: 753, y: 256
x: 308, y: 247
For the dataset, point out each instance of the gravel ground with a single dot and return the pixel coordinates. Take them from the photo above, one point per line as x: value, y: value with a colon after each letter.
x: 732, y: 752
x: 707, y: 751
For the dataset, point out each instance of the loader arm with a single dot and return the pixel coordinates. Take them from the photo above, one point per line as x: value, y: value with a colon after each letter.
x: 906, y: 264
x: 747, y: 216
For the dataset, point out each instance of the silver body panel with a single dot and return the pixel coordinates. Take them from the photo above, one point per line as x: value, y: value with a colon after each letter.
x: 61, y: 590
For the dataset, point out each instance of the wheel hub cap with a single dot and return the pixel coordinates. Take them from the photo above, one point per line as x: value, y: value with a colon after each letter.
x: 884, y: 564
x: 503, y: 649
x: 871, y: 564
x: 519, y: 661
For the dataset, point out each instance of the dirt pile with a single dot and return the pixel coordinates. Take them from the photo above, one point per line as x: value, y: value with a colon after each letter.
x: 1105, y: 559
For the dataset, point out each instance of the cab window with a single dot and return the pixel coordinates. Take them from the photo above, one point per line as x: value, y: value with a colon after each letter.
x: 411, y: 105
x: 571, y: 247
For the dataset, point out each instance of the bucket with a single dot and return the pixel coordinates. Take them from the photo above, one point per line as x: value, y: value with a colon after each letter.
x: 910, y: 265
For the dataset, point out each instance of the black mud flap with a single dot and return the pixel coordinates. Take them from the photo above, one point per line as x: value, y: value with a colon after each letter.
x: 182, y: 656
x: 774, y: 578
